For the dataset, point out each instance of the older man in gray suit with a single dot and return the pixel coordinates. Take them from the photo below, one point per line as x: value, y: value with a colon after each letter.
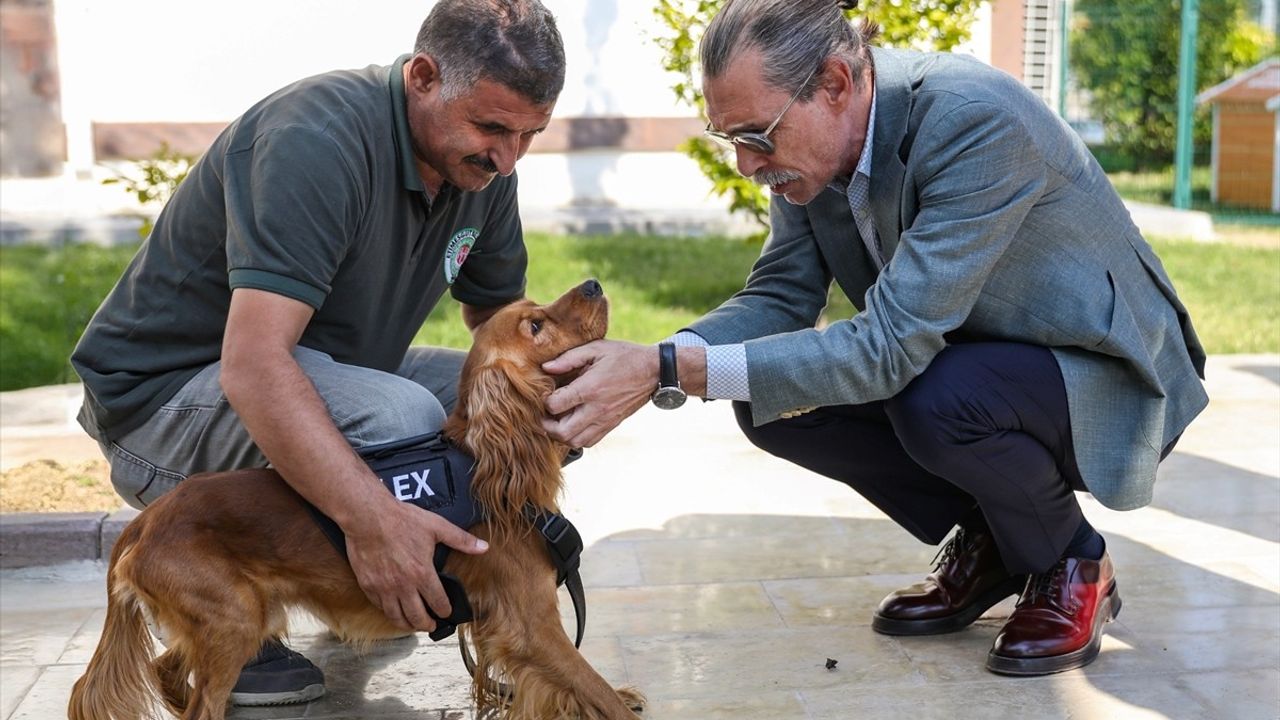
x: 1017, y: 339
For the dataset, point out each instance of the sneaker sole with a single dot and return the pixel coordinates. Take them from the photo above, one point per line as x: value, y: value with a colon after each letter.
x: 941, y: 625
x: 292, y: 697
x: 1108, y: 610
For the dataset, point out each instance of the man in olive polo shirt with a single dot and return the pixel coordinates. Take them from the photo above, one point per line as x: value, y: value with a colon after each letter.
x: 268, y: 317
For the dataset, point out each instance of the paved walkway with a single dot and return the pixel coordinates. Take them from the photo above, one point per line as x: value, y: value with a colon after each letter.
x: 720, y: 580
x: 67, y: 209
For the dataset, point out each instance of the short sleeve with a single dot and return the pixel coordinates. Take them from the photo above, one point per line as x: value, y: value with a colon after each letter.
x: 494, y: 273
x: 293, y: 206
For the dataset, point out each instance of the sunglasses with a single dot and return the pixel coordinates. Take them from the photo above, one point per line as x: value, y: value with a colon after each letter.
x: 755, y: 141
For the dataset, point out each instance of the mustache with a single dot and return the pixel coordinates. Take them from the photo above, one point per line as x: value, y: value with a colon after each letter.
x: 775, y: 177
x: 483, y: 163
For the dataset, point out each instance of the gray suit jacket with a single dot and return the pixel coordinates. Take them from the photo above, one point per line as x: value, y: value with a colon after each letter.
x: 998, y: 225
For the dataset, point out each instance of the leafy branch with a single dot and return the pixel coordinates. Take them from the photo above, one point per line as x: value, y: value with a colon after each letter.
x: 932, y: 24
x: 153, y: 180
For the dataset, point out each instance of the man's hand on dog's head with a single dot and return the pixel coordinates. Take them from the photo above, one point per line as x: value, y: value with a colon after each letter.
x: 392, y: 552
x: 616, y: 379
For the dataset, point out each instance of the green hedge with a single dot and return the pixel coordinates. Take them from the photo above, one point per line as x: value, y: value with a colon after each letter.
x: 47, y: 296
x: 656, y: 285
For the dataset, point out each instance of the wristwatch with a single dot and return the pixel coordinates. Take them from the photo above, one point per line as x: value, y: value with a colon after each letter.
x: 668, y: 396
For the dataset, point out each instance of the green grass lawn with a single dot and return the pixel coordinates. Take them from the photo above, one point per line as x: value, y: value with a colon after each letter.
x: 1232, y: 293
x: 656, y: 286
x: 1156, y: 186
x: 47, y: 295
x: 1249, y: 225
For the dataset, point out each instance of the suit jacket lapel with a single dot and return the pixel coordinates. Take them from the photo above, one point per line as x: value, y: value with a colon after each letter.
x: 893, y: 105
x: 846, y: 257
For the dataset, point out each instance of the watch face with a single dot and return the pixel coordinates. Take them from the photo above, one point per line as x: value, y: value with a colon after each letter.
x: 669, y: 398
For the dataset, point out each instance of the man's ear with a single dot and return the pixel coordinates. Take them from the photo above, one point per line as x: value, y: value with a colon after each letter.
x: 836, y: 86
x: 424, y: 73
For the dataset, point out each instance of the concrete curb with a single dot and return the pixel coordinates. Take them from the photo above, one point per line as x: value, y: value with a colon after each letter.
x: 1163, y: 221
x: 30, y: 539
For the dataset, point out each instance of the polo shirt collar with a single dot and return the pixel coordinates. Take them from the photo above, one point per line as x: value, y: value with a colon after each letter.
x: 404, y: 141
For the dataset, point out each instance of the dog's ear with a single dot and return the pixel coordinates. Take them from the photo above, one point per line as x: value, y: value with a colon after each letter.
x: 516, y: 461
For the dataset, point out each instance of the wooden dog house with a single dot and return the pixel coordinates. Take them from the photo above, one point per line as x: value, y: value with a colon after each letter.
x: 1246, y: 137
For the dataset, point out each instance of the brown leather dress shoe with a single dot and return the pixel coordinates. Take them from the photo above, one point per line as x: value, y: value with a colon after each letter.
x: 1057, y: 624
x: 969, y: 578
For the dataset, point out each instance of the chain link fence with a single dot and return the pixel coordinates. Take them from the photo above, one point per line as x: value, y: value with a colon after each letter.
x: 1120, y: 91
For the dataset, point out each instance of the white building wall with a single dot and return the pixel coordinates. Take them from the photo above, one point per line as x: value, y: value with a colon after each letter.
x: 980, y: 36
x: 168, y: 61
x: 178, y: 61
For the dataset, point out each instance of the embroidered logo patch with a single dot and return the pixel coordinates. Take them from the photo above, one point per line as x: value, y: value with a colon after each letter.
x: 457, y: 252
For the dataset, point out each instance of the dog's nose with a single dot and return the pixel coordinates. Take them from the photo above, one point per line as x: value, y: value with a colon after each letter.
x: 591, y: 289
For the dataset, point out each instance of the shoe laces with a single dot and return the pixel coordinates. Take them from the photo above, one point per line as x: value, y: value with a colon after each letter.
x: 271, y: 651
x: 1042, y: 584
x: 952, y: 549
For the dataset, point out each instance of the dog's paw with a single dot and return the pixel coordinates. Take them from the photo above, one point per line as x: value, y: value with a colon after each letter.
x: 632, y: 698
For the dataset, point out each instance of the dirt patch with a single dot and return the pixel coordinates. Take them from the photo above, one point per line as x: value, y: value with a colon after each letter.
x: 50, y: 486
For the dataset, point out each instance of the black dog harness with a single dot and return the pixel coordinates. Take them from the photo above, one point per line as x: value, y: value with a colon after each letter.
x: 428, y: 471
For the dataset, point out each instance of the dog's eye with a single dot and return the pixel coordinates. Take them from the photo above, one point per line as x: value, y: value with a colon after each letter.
x: 535, y: 327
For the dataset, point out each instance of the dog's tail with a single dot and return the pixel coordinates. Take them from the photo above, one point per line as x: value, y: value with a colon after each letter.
x: 121, y: 681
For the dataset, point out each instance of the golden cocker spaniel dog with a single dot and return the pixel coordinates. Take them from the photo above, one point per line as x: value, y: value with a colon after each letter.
x: 218, y: 562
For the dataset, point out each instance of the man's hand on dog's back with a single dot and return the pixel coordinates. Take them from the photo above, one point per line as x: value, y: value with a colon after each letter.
x: 392, y: 553
x: 391, y: 545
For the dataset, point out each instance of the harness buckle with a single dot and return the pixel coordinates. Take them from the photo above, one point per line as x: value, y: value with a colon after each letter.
x: 563, y: 541
x: 553, y: 527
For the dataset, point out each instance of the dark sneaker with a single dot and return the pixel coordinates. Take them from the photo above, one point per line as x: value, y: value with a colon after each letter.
x: 277, y: 676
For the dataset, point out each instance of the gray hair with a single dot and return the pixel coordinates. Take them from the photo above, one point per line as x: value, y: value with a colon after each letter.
x: 794, y: 37
x: 511, y: 42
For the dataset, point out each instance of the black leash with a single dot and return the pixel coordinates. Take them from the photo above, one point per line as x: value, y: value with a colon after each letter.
x: 564, y: 545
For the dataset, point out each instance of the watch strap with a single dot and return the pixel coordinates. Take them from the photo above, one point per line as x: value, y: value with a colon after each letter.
x: 667, y: 374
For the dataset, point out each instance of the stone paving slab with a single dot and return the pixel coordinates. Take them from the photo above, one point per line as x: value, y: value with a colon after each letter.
x: 55, y: 210
x: 40, y: 423
x: 720, y: 579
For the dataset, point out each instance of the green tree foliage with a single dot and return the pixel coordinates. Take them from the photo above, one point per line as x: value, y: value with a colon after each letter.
x: 926, y: 24
x: 1126, y: 55
x: 47, y: 295
x: 153, y: 180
